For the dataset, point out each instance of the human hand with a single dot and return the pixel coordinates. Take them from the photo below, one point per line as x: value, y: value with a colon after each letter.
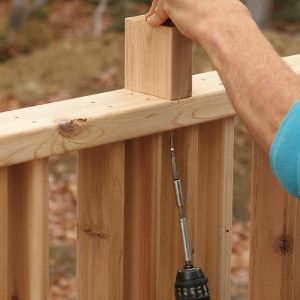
x: 192, y: 17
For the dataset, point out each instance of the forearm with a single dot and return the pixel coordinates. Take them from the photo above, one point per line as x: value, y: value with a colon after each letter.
x: 260, y: 85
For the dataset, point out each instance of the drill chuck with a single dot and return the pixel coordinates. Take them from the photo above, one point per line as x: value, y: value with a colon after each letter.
x: 191, y: 284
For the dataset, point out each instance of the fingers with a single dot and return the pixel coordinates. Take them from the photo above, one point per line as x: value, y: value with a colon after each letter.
x: 157, y: 19
x: 152, y: 9
x: 159, y: 16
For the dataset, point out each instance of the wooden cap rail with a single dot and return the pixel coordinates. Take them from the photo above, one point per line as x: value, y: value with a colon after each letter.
x: 55, y: 128
x: 128, y: 242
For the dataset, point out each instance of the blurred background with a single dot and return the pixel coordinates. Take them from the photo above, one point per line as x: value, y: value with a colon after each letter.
x: 52, y: 50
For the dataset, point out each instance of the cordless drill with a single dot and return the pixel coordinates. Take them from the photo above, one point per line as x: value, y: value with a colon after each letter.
x: 191, y: 283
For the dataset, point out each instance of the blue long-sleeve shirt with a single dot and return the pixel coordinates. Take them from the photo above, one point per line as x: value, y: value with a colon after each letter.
x: 285, y: 152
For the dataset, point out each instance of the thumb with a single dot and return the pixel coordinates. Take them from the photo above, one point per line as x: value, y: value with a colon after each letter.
x: 158, y: 17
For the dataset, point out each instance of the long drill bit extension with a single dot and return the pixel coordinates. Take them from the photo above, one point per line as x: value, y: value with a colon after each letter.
x: 191, y: 283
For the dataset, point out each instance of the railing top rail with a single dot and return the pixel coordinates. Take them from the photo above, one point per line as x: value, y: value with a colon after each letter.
x: 55, y: 128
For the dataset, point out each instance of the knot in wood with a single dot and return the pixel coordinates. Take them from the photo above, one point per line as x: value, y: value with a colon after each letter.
x: 95, y: 234
x: 71, y: 128
x: 285, y: 244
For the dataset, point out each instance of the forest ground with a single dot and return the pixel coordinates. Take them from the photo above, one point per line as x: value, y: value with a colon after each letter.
x: 65, y: 60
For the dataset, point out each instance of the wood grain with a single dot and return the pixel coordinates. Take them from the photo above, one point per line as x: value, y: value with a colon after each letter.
x: 171, y: 256
x: 142, y: 225
x: 154, y: 54
x: 153, y: 252
x: 71, y: 125
x: 100, y: 223
x: 153, y: 247
x: 275, y: 250
x: 55, y: 128
x: 3, y: 234
x: 28, y: 231
x: 213, y: 210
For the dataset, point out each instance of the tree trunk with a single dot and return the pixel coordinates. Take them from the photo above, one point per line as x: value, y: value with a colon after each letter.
x: 98, y: 22
x: 37, y: 4
x: 18, y: 13
x: 261, y: 10
x: 22, y: 10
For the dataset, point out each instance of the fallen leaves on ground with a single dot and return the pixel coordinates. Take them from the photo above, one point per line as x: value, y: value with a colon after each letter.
x: 62, y: 206
x: 62, y: 227
x: 62, y: 289
x: 240, y: 259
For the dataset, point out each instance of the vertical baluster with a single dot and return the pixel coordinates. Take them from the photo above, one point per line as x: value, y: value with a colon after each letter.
x: 142, y: 227
x: 28, y: 230
x: 100, y: 228
x: 275, y: 222
x: 213, y: 210
x: 171, y: 255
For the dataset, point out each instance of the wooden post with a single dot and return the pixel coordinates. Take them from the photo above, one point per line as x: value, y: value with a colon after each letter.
x: 27, y: 239
x: 100, y: 217
x: 159, y: 62
x: 275, y: 247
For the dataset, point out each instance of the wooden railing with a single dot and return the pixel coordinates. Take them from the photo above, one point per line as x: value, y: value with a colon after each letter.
x: 128, y: 241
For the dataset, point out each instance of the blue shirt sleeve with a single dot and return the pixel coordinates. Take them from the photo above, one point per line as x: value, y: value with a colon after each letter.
x: 285, y: 152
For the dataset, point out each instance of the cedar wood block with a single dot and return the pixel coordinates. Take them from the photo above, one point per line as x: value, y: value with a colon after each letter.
x: 162, y: 53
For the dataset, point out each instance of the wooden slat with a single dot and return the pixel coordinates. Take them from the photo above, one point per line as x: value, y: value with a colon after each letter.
x: 275, y: 247
x: 213, y: 210
x: 100, y: 223
x: 171, y: 256
x: 153, y: 247
x: 28, y: 231
x: 3, y: 234
x: 142, y: 226
x: 154, y: 54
